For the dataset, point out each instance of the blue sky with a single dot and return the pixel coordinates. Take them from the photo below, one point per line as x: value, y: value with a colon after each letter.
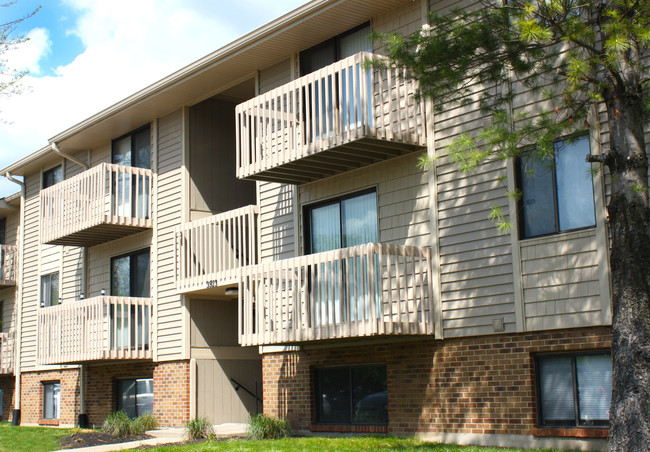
x: 85, y: 55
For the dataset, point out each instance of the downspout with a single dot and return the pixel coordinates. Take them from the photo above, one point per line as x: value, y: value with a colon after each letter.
x: 15, y: 417
x: 56, y: 149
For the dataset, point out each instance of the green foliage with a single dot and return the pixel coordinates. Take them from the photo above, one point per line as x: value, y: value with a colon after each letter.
x: 30, y: 439
x: 199, y: 428
x: 118, y: 423
x: 265, y: 427
x: 550, y: 48
x: 145, y: 422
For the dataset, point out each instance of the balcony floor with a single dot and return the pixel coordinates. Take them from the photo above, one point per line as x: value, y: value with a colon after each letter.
x: 336, y: 160
x: 97, y: 235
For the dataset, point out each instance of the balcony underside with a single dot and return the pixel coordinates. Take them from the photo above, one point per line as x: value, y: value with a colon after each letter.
x: 99, y: 234
x: 112, y: 358
x: 6, y: 283
x: 218, y: 290
x: 336, y: 160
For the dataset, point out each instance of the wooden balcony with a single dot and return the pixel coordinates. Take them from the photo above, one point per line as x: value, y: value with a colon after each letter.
x: 369, y: 290
x: 211, y: 250
x: 8, y: 265
x: 341, y: 117
x: 101, y: 204
x: 7, y: 353
x: 95, y: 329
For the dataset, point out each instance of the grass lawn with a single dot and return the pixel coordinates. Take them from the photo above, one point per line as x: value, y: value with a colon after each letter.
x: 327, y: 444
x: 29, y: 439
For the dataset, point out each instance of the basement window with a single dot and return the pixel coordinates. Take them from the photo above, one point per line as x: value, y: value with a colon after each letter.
x: 52, y: 400
x: 352, y: 395
x: 574, y: 390
x: 135, y: 396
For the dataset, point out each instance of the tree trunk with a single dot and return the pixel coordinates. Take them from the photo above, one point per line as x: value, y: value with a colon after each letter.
x: 629, y: 219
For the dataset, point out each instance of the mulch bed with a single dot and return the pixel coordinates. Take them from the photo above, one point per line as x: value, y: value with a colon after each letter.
x: 92, y: 438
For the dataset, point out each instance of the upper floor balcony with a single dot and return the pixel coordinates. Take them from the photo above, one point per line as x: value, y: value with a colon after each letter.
x: 7, y: 353
x: 212, y: 250
x: 8, y: 264
x: 341, y: 117
x: 101, y: 204
x: 375, y: 289
x: 95, y: 329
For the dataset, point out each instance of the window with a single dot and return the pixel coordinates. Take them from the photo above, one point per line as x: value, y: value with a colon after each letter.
x: 574, y: 390
x: 1, y: 318
x: 356, y: 395
x: 133, y: 149
x: 335, y: 49
x: 135, y: 396
x: 3, y: 227
x: 342, y: 222
x: 52, y: 176
x: 557, y: 195
x: 50, y: 289
x: 51, y: 400
x: 130, y: 274
x: 130, y: 278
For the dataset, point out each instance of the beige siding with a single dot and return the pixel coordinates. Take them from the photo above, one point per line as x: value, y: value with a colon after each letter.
x: 276, y: 219
x: 402, y: 198
x: 561, y: 285
x: 8, y: 297
x: 168, y: 214
x: 12, y: 226
x: 30, y: 272
x: 99, y: 260
x: 404, y: 20
x: 274, y: 76
x: 216, y: 396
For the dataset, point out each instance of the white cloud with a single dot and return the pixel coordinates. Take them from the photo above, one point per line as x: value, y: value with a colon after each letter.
x: 129, y: 44
x: 29, y: 54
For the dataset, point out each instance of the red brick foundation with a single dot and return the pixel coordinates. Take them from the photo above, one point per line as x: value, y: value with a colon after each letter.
x: 31, y: 402
x: 7, y: 383
x: 171, y: 392
x: 171, y: 388
x: 481, y: 385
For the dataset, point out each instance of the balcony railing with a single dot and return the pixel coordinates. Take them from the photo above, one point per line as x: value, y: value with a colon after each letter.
x: 338, y: 118
x: 366, y: 290
x: 8, y: 264
x: 7, y: 353
x: 101, y: 204
x: 100, y: 328
x: 211, y: 250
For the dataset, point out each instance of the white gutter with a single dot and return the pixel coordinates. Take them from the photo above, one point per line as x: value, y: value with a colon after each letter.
x: 56, y: 149
x: 19, y: 300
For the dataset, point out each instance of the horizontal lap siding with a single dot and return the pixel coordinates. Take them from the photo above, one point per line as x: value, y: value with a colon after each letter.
x: 30, y: 272
x: 402, y: 198
x: 276, y: 218
x: 476, y: 265
x: 168, y: 204
x: 8, y: 295
x: 560, y: 281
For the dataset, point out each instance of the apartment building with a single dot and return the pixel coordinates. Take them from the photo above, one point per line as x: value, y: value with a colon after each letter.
x: 253, y: 233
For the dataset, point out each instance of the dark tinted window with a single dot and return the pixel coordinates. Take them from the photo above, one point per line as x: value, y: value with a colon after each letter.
x: 52, y: 176
x: 133, y: 149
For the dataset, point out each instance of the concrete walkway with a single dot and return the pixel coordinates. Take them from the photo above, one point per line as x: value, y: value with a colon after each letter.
x: 165, y: 436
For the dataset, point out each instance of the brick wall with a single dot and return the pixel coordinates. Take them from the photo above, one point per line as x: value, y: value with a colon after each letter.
x: 31, y: 403
x: 100, y: 386
x: 7, y: 383
x: 171, y: 388
x: 480, y: 385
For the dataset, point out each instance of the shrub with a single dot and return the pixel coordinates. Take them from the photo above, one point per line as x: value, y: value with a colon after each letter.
x: 199, y: 428
x: 145, y: 422
x: 264, y: 427
x: 118, y: 424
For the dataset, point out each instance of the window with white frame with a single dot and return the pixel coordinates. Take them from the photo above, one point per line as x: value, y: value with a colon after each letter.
x: 574, y: 390
x: 51, y: 400
x: 557, y: 194
x: 50, y: 289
